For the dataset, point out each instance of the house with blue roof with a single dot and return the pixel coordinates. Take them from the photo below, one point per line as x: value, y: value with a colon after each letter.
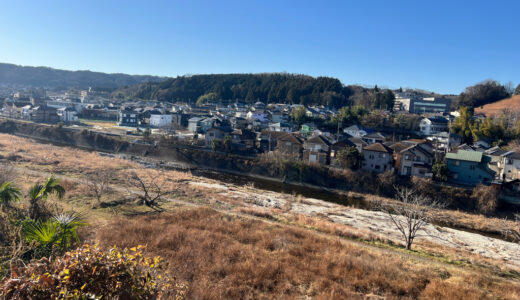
x: 469, y: 167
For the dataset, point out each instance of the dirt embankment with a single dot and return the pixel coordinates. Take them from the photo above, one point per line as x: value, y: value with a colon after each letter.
x: 90, y: 140
x: 192, y: 156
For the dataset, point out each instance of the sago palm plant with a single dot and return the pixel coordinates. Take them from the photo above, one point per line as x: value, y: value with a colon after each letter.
x: 8, y: 194
x: 59, y: 233
x: 68, y: 224
x: 39, y: 193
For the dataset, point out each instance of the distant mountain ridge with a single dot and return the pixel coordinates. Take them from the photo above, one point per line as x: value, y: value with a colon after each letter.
x: 48, y: 77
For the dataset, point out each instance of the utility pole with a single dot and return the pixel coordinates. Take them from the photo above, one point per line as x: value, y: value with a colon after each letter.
x: 337, y: 133
x: 269, y: 141
x: 449, y: 136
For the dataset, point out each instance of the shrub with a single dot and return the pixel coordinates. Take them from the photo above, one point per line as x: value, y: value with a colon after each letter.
x: 56, y: 235
x: 486, y: 198
x: 91, y: 273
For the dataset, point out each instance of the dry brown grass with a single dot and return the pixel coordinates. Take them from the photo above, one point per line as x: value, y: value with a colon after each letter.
x: 496, y: 108
x: 224, y: 257
x: 56, y: 158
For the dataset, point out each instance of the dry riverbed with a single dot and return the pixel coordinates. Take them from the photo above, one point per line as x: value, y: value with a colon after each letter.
x: 370, y: 222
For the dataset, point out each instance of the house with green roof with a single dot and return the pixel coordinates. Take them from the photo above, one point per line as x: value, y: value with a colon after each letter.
x: 307, y: 129
x: 469, y: 167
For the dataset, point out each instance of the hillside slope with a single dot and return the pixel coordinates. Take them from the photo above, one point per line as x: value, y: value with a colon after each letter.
x: 48, y: 77
x: 265, y: 87
x: 496, y: 108
x: 230, y: 241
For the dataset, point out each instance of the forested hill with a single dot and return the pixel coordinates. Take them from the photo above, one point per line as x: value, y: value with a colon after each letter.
x: 267, y: 88
x: 47, y: 77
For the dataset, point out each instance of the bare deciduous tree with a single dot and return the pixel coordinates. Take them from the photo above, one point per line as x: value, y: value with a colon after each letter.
x: 152, y: 189
x: 99, y: 182
x: 410, y: 216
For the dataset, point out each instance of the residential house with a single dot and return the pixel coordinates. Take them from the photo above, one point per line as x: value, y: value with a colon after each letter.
x: 357, y: 131
x: 377, y: 158
x: 372, y: 138
x: 311, y: 112
x: 495, y: 155
x: 207, y: 123
x: 254, y: 116
x: 317, y: 150
x: 413, y: 160
x: 268, y: 140
x: 216, y: 133
x: 180, y: 120
x: 238, y: 123
x: 128, y: 117
x: 469, y: 167
x: 445, y: 141
x: 358, y: 142
x: 277, y: 116
x: 258, y: 107
x: 44, y: 114
x: 13, y: 110
x: 98, y: 112
x: 339, y: 145
x: 67, y: 114
x: 147, y: 112
x: 307, y: 129
x: 160, y: 120
x: 433, y: 125
x: 284, y: 127
x: 26, y: 111
x: 483, y: 143
x: 243, y: 139
x: 467, y: 147
x: 194, y: 124
x: 289, y: 144
x: 510, y: 166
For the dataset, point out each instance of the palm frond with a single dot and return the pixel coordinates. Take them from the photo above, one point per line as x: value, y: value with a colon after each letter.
x: 52, y: 186
x: 44, y: 233
x: 35, y: 191
x: 9, y: 193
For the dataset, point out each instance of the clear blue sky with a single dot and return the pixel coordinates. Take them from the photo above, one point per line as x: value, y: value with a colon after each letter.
x: 442, y: 46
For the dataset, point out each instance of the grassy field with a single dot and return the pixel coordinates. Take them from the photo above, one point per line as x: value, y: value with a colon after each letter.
x: 496, y: 108
x: 223, y: 248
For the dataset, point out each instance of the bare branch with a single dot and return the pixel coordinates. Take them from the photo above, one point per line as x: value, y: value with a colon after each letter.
x: 99, y: 182
x: 152, y: 189
x: 411, y: 216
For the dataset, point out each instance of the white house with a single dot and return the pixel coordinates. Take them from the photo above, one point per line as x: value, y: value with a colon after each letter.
x: 160, y: 120
x: 283, y: 127
x: 194, y: 124
x: 355, y: 131
x: 67, y: 114
x: 433, y: 125
x: 509, y: 166
x: 26, y: 112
